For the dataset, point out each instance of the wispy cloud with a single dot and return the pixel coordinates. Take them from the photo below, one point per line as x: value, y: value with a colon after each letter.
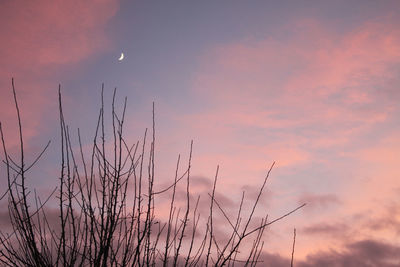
x: 314, y: 100
x: 326, y: 229
x: 319, y: 201
x: 40, y: 39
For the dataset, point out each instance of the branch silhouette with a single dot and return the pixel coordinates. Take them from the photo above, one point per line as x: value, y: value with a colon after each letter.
x: 106, y: 213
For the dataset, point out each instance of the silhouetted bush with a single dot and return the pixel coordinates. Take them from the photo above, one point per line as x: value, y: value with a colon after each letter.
x: 106, y: 209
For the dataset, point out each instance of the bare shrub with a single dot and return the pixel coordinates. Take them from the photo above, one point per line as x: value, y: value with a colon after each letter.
x: 106, y: 208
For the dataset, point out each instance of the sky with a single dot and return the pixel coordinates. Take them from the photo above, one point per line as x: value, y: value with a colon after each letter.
x: 311, y: 85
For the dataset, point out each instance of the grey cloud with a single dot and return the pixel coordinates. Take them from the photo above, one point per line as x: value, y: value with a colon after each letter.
x: 319, y: 200
x: 362, y: 253
x: 326, y: 228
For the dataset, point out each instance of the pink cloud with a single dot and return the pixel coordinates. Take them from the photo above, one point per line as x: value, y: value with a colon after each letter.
x: 37, y: 39
x: 52, y: 32
x: 327, y: 85
x: 313, y: 98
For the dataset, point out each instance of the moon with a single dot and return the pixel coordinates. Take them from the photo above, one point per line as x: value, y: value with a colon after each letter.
x: 121, y: 57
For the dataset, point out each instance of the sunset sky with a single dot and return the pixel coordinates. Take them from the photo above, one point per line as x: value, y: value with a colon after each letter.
x: 311, y: 85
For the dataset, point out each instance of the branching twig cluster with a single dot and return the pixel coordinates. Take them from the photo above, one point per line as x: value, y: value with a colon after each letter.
x: 106, y: 209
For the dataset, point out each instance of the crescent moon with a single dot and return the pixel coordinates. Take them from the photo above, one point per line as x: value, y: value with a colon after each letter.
x: 121, y: 57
